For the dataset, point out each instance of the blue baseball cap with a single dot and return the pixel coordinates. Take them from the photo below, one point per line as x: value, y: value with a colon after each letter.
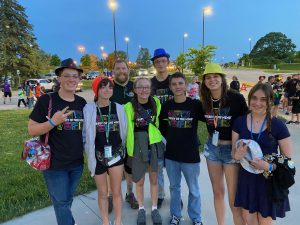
x: 160, y: 52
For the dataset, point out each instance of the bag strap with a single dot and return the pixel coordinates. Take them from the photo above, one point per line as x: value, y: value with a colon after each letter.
x: 49, y: 115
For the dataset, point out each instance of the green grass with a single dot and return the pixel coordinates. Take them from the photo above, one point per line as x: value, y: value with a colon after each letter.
x: 87, y: 84
x: 22, y: 188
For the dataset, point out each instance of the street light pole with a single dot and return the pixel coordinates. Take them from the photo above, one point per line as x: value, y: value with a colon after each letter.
x: 113, y: 6
x: 102, y: 48
x: 185, y: 35
x: 250, y: 45
x: 206, y: 11
x: 127, y: 40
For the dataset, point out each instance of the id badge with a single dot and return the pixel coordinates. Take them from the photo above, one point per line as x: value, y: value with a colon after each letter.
x: 107, y: 151
x: 215, y: 138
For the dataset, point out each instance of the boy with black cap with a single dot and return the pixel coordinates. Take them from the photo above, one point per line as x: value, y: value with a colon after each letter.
x: 65, y: 139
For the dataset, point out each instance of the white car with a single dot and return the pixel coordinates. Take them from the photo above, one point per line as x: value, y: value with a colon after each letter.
x: 48, y: 85
x: 142, y: 72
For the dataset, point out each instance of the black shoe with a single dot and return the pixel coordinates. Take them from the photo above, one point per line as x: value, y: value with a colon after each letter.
x: 287, y: 113
x: 289, y: 122
x: 297, y: 122
x: 130, y: 198
x: 110, y: 204
x: 181, y: 204
x: 141, y: 218
x: 156, y: 218
x: 197, y: 223
x: 159, y: 202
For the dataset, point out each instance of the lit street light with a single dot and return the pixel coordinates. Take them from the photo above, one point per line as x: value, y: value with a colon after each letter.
x: 250, y: 45
x: 206, y: 11
x: 127, y: 40
x: 102, y: 48
x: 81, y: 49
x: 112, y: 4
x: 185, y: 35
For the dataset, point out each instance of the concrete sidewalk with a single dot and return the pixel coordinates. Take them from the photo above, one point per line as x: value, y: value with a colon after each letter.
x: 85, y: 208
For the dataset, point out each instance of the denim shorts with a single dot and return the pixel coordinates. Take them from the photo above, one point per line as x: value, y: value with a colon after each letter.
x: 218, y: 154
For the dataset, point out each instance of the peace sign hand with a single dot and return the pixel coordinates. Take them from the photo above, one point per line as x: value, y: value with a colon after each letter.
x: 61, y: 116
x: 241, y: 150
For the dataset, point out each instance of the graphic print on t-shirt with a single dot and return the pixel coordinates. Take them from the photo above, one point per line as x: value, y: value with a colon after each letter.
x: 163, y: 95
x: 143, y: 118
x: 113, y: 123
x: 73, y: 122
x: 180, y: 118
x: 223, y: 117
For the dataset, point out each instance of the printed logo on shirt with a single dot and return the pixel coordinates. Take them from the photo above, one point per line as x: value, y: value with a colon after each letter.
x: 143, y: 120
x: 113, y: 123
x: 73, y: 122
x: 163, y: 95
x: 180, y: 118
x: 224, y: 119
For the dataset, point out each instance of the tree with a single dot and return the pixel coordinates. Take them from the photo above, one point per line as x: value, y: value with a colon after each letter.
x: 85, y: 60
x: 111, y: 58
x: 197, y: 58
x: 274, y: 47
x: 94, y: 62
x: 55, y: 60
x: 181, y: 62
x: 18, y: 49
x: 144, y: 58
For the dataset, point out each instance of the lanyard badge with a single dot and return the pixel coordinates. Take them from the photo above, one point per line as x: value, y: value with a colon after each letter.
x: 215, y: 137
x: 106, y: 126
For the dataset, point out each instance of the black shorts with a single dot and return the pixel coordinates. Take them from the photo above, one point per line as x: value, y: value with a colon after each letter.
x: 100, y: 168
x: 296, y: 109
x: 7, y: 94
x: 127, y: 168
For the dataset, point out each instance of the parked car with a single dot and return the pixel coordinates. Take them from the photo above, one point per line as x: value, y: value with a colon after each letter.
x: 142, y: 72
x: 48, y: 85
x: 92, y: 75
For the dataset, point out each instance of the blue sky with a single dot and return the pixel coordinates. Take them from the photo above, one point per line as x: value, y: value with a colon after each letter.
x: 62, y: 25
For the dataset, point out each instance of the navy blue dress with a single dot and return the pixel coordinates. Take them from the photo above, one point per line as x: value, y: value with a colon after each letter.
x: 252, y: 188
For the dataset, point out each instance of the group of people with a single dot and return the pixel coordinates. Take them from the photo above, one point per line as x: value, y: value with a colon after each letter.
x: 287, y: 93
x: 146, y: 125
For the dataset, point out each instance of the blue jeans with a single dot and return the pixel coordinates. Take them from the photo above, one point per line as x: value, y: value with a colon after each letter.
x: 160, y: 179
x: 191, y: 172
x: 61, y: 185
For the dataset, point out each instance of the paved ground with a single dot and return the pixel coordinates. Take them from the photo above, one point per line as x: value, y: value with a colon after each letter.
x: 85, y: 207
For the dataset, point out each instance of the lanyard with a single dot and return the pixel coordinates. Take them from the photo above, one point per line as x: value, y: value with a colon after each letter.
x: 106, y: 127
x: 215, y: 116
x: 261, y: 129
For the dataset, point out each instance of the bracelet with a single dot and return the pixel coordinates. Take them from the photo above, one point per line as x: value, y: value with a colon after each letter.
x: 50, y: 121
x: 270, y: 167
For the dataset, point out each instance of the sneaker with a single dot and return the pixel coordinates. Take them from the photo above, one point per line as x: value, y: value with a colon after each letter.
x: 297, y: 122
x: 289, y: 122
x: 197, y: 223
x: 141, y: 218
x: 110, y: 203
x: 156, y: 218
x: 287, y: 113
x: 174, y: 220
x: 130, y: 198
x: 159, y: 202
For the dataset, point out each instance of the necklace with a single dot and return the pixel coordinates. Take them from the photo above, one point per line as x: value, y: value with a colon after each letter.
x: 215, y: 100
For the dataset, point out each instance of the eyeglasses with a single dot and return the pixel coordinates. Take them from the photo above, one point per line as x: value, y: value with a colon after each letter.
x: 143, y: 88
x: 68, y: 77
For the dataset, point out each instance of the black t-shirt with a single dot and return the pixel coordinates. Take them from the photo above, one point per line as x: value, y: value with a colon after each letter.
x: 143, y: 117
x: 65, y: 139
x: 181, y: 136
x: 291, y: 87
x: 114, y: 134
x: 236, y: 106
x: 296, y: 102
x: 161, y: 90
x: 122, y: 94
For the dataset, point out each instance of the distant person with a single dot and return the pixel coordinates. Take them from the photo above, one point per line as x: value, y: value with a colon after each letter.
x: 6, y: 89
x: 295, y: 105
x: 30, y: 97
x: 271, y: 80
x: 21, y: 96
x: 291, y: 90
x: 65, y: 139
x: 285, y: 99
x: 277, y: 89
x: 235, y: 84
x: 38, y: 91
x: 161, y: 90
x: 261, y: 79
x: 193, y: 89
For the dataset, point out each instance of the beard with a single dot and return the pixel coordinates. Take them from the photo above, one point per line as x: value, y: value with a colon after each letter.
x: 121, y: 78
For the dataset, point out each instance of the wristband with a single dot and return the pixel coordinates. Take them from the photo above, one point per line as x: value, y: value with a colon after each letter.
x: 50, y: 121
x: 270, y: 168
